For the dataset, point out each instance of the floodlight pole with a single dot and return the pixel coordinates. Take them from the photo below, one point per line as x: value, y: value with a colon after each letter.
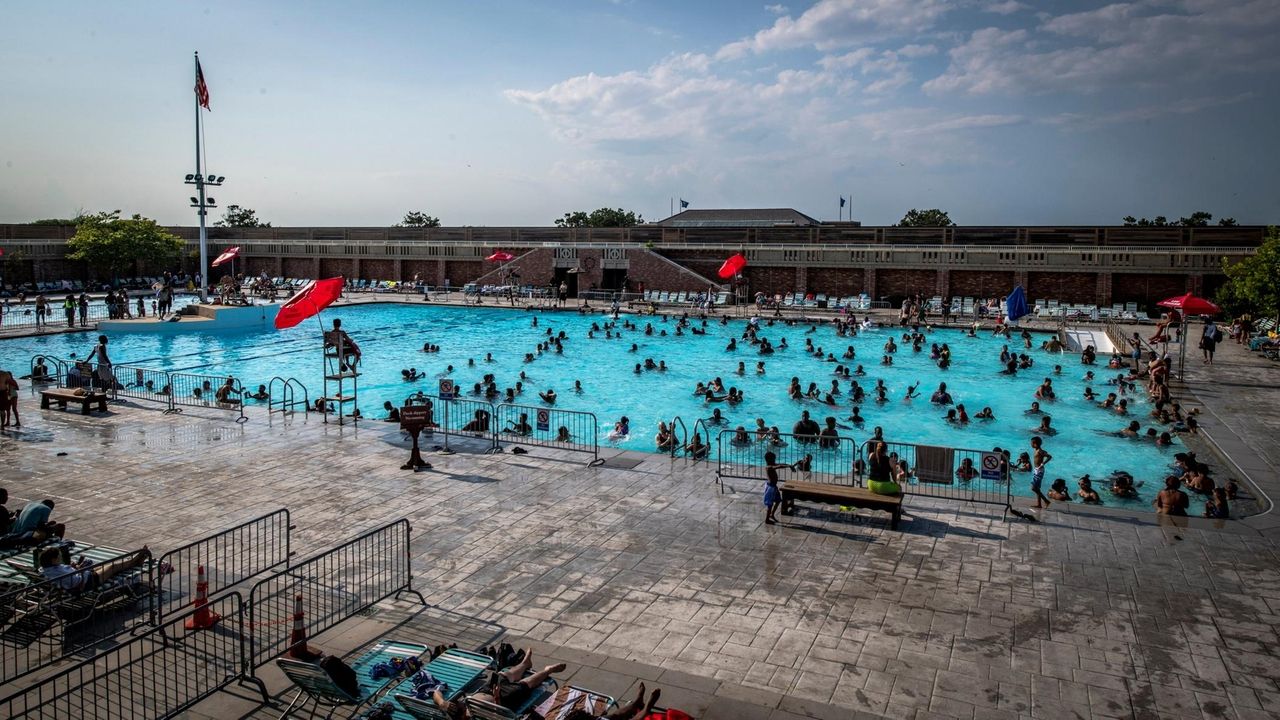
x: 204, y: 238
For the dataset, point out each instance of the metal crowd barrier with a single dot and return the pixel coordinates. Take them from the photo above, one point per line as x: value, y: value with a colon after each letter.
x: 40, y: 623
x: 463, y: 418
x: 229, y: 557
x: 157, y: 674
x: 201, y: 391
x: 335, y: 585
x: 934, y: 473
x: 828, y: 460
x: 550, y: 427
x: 282, y: 396
x: 15, y: 316
x: 142, y: 384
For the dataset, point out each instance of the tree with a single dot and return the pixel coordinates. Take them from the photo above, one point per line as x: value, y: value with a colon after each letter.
x: 1227, y: 222
x: 236, y: 216
x: 418, y: 219
x: 926, y: 218
x: 604, y: 217
x: 112, y: 245
x: 1251, y: 285
x: 16, y: 268
x: 1198, y: 218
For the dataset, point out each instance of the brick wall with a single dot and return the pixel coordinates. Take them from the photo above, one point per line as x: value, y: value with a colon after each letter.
x: 658, y: 274
x: 703, y: 262
x: 901, y: 283
x: 1067, y: 287
x: 461, y: 272
x: 980, y: 284
x: 771, y: 280
x: 836, y: 281
x: 298, y: 268
x: 1146, y: 290
x: 534, y: 268
x: 376, y: 270
x: 258, y: 265
x: 333, y: 267
x: 424, y: 269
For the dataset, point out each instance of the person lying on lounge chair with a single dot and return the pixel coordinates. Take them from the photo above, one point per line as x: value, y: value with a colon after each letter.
x: 511, y: 689
x: 82, y: 575
x: 635, y: 710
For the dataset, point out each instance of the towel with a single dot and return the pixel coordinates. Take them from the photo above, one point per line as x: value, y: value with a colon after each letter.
x: 935, y: 464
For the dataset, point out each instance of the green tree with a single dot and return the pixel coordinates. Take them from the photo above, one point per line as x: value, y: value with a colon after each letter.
x: 418, y: 218
x: 236, y: 216
x: 601, y: 218
x: 926, y: 218
x: 111, y: 245
x: 1199, y: 218
x: 1251, y: 285
x: 1227, y: 222
x: 16, y: 268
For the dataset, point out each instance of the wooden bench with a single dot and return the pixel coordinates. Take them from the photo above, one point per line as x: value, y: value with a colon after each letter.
x: 62, y: 396
x: 840, y: 495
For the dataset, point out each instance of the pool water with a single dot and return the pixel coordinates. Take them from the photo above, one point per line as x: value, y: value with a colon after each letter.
x: 391, y: 337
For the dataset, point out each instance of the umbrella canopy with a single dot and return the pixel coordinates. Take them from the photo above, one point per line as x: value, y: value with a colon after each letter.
x: 732, y: 266
x: 1016, y: 303
x: 227, y: 256
x: 500, y: 256
x: 310, y: 300
x: 1191, y: 305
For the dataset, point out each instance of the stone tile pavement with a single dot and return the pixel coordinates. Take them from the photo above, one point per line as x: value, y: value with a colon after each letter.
x: 633, y: 573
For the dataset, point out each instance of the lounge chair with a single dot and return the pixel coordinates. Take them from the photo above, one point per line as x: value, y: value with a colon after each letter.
x: 319, y: 688
x: 460, y: 671
x: 481, y: 710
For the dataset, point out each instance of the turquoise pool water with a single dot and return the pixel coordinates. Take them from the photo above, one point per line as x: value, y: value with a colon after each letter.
x: 391, y: 337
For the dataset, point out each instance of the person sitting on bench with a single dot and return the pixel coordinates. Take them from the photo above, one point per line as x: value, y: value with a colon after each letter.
x: 82, y: 575
x: 32, y: 524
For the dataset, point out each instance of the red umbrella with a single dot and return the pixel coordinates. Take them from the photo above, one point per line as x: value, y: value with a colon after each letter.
x: 500, y: 256
x: 1191, y: 305
x: 310, y: 300
x: 732, y: 266
x: 227, y: 256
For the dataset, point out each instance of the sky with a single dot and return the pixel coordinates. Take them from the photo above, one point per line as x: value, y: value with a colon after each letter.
x: 1005, y: 112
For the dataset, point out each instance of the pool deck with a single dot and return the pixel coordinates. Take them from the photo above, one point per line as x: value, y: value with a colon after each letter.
x: 641, y: 570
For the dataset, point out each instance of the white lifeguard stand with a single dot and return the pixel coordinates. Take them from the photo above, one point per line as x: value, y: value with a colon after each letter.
x: 341, y: 378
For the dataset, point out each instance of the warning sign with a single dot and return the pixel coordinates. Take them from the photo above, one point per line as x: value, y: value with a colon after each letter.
x: 543, y: 420
x: 991, y: 463
x: 447, y: 389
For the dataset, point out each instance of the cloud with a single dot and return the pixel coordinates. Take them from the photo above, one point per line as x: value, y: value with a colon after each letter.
x: 1186, y: 106
x: 777, y: 9
x: 1148, y: 43
x: 1008, y: 7
x: 832, y: 24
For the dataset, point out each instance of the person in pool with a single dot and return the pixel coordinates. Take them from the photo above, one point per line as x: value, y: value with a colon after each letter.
x: 1034, y: 409
x: 985, y: 414
x: 519, y: 427
x: 1045, y: 428
x: 1058, y: 490
x: 1131, y: 431
x: 966, y: 471
x: 1086, y: 493
x: 665, y: 439
x: 621, y: 429
x: 261, y: 394
x: 1172, y: 500
x: 393, y: 412
x: 549, y: 397
x: 941, y: 396
x: 696, y: 449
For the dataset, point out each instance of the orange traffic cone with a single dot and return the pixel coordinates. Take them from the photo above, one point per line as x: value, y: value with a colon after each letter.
x: 203, y: 618
x: 298, y: 637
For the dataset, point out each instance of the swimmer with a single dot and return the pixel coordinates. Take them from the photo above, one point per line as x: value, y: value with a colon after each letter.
x: 621, y: 429
x: 985, y: 414
x: 1044, y: 427
x: 260, y: 395
x: 1086, y: 492
x: 912, y: 392
x: 1034, y: 409
x: 1058, y: 490
x: 549, y: 397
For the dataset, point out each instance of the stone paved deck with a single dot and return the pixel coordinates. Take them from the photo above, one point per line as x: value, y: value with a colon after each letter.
x: 631, y: 573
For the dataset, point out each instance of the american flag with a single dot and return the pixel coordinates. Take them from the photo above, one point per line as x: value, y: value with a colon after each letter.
x: 202, y: 90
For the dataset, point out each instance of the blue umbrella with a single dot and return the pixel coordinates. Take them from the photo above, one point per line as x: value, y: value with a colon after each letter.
x: 1016, y: 304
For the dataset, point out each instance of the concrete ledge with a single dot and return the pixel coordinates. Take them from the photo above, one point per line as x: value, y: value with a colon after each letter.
x: 209, y: 318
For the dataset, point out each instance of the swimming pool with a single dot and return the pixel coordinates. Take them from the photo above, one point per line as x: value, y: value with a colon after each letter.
x: 391, y: 338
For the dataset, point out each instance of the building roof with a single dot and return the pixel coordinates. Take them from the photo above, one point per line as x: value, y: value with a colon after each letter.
x: 738, y: 217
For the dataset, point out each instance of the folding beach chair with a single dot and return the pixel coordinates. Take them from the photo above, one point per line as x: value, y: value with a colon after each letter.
x: 571, y: 697
x: 459, y: 670
x: 318, y: 687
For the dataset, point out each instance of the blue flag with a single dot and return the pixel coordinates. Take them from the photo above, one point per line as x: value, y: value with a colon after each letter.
x: 841, y: 201
x: 683, y: 203
x: 1016, y: 303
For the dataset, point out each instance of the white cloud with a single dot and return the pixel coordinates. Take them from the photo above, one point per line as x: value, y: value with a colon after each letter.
x: 1186, y: 106
x: 1123, y: 44
x: 832, y: 24
x: 1008, y: 7
x: 777, y: 9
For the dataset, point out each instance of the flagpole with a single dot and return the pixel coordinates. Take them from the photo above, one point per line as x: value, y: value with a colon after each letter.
x: 204, y: 238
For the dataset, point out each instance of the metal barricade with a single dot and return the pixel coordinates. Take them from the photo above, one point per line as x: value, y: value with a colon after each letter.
x: 202, y: 391
x: 462, y: 418
x: 228, y: 557
x: 282, y: 396
x: 550, y: 427
x: 942, y: 472
x: 43, y: 623
x: 812, y: 458
x: 24, y: 316
x: 157, y: 674
x: 335, y: 585
x: 142, y: 384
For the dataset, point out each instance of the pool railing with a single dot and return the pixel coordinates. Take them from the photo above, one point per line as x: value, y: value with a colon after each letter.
x: 830, y: 460
x: 933, y: 472
x: 550, y: 427
x: 201, y: 391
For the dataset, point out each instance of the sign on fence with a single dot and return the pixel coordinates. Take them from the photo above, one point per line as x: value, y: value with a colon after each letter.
x: 448, y: 390
x: 544, y: 420
x: 991, y: 463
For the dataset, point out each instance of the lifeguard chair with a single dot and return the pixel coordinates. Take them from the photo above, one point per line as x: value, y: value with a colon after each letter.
x: 341, y: 375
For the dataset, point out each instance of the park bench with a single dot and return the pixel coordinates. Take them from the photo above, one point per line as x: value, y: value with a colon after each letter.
x: 840, y: 495
x: 62, y: 396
